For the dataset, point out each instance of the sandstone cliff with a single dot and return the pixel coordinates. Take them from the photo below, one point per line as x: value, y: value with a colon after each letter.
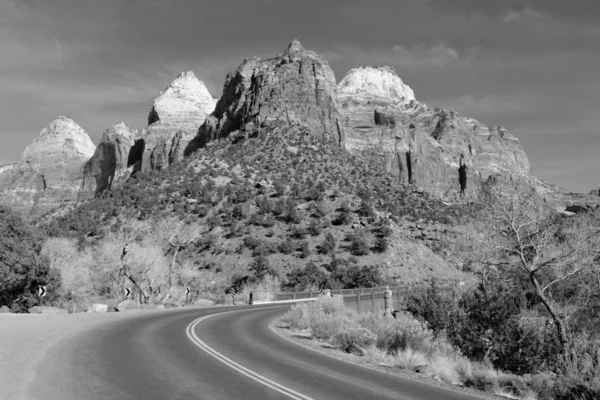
x: 50, y: 171
x: 118, y: 154
x: 420, y: 145
x: 296, y: 88
x: 174, y: 119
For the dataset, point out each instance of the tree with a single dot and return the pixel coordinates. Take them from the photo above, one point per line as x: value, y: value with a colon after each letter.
x: 22, y: 268
x: 520, y: 234
x: 328, y: 245
x: 178, y: 235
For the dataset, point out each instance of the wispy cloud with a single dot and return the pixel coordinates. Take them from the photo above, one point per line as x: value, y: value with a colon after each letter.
x: 520, y: 15
x: 438, y: 55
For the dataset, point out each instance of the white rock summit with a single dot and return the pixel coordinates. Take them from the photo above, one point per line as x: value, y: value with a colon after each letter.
x: 174, y: 119
x: 50, y: 171
x: 382, y: 82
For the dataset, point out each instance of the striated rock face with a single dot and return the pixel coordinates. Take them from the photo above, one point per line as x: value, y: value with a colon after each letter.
x: 296, y: 88
x: 174, y: 120
x: 117, y: 156
x: 50, y: 171
x: 420, y: 145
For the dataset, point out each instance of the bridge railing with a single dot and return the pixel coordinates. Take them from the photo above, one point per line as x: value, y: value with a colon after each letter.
x: 363, y: 299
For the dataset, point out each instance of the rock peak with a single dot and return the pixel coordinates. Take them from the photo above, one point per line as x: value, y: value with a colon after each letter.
x: 295, y: 46
x: 62, y: 132
x: 381, y: 81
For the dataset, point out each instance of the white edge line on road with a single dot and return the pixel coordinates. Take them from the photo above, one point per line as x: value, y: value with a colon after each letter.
x: 241, y: 369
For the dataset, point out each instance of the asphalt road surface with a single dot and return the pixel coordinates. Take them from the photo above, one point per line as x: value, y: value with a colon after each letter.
x: 214, y: 353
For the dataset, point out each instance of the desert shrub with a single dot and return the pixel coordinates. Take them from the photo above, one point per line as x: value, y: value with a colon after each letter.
x: 305, y: 250
x: 358, y: 244
x: 314, y: 228
x: 381, y: 245
x: 328, y: 245
x: 286, y: 246
x: 301, y: 279
x: 260, y: 267
x: 353, y: 335
x: 298, y: 232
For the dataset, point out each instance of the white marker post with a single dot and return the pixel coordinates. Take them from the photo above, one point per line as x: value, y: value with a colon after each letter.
x: 41, y: 293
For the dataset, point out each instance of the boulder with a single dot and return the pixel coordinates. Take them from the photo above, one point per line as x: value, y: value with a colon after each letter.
x: 204, y: 303
x: 420, y: 145
x: 174, y: 119
x: 296, y: 88
x: 47, y: 310
x: 50, y: 171
x: 97, y: 308
x: 5, y: 310
x: 127, y: 305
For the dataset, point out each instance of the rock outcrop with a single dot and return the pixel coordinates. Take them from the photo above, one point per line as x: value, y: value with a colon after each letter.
x: 296, y: 88
x: 420, y: 145
x: 50, y: 171
x: 174, y: 120
x: 118, y: 155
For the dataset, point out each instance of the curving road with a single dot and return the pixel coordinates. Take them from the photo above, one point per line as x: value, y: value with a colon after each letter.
x: 214, y: 353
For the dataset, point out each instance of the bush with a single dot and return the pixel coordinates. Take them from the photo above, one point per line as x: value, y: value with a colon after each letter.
x: 328, y: 245
x: 353, y: 335
x: 359, y: 246
x: 381, y: 245
x: 286, y: 246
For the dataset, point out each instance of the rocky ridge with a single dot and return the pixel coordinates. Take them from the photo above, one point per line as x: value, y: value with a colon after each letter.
x: 419, y: 145
x: 173, y: 122
x: 295, y: 89
x: 50, y: 171
x: 117, y: 156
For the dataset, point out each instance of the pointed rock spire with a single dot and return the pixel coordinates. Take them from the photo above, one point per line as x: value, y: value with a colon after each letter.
x: 295, y: 46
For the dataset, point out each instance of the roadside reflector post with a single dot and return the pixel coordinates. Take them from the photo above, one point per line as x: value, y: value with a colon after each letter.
x: 387, y: 302
x: 250, y: 299
x: 187, y: 296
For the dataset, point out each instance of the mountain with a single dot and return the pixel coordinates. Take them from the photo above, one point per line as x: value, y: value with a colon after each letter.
x: 419, y: 145
x: 173, y: 122
x: 271, y: 183
x: 295, y: 88
x: 174, y: 119
x: 118, y: 154
x: 50, y: 171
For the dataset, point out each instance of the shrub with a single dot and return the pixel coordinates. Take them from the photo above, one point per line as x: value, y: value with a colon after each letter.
x: 328, y: 245
x: 286, y: 246
x: 353, y: 335
x: 358, y: 245
x: 305, y: 250
x: 381, y: 245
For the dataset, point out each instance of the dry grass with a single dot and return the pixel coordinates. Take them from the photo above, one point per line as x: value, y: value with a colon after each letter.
x: 403, y: 343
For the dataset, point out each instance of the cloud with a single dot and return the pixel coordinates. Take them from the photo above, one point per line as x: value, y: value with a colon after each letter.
x: 438, y: 55
x: 524, y: 14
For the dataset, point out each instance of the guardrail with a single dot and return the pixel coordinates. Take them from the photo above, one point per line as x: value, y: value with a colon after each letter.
x: 364, y: 298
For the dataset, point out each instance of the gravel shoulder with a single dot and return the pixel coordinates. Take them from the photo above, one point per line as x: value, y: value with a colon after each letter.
x: 25, y: 338
x: 324, y: 348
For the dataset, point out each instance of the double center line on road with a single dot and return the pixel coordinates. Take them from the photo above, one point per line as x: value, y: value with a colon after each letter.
x: 241, y: 369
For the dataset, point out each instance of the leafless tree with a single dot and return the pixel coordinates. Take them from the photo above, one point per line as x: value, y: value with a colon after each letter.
x: 518, y: 232
x: 177, y: 234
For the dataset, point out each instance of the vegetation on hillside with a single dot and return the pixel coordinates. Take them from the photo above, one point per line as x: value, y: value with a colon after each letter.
x: 22, y: 268
x: 281, y: 205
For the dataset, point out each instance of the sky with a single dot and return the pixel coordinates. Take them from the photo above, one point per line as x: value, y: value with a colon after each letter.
x: 532, y: 66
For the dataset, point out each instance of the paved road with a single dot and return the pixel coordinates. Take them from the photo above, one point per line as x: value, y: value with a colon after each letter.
x: 156, y: 356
